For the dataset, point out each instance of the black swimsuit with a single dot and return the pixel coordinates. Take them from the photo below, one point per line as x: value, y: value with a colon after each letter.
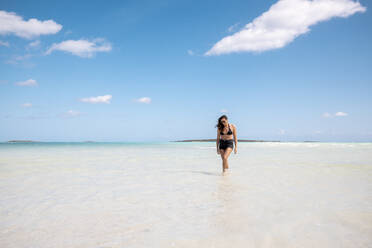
x: 226, y: 143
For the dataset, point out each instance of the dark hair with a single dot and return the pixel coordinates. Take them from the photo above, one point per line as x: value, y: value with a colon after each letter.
x: 219, y: 123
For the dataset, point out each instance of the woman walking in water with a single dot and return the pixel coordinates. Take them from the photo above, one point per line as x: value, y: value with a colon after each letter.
x: 225, y: 132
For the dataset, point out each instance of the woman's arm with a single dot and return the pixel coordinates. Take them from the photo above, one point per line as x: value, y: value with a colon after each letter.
x: 218, y: 141
x: 235, y: 138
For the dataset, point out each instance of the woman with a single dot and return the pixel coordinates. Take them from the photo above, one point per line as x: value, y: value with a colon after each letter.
x: 225, y: 132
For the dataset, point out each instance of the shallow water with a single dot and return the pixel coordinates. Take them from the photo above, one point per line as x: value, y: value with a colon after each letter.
x: 175, y: 195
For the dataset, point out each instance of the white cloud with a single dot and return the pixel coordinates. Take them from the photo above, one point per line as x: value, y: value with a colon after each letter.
x: 341, y: 114
x: 233, y: 27
x: 82, y: 48
x: 144, y: 100
x: 69, y: 114
x: 282, y: 23
x: 73, y: 113
x: 4, y: 43
x: 190, y: 52
x: 11, y: 23
x: 281, y: 131
x: 27, y: 105
x: 18, y: 58
x: 29, y: 82
x: 35, y: 43
x: 97, y: 99
x: 327, y: 115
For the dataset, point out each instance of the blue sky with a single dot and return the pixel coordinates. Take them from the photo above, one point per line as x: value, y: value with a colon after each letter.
x: 288, y: 70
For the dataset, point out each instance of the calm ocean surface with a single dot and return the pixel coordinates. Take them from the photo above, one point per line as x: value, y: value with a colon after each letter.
x: 102, y: 195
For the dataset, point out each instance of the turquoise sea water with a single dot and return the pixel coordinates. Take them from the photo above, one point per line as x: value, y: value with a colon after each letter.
x: 170, y: 194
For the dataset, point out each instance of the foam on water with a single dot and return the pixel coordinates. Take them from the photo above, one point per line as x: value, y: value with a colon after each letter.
x: 174, y: 195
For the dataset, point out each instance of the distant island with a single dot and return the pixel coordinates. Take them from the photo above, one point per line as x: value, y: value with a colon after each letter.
x: 239, y: 140
x: 209, y: 140
x: 190, y: 140
x: 19, y: 141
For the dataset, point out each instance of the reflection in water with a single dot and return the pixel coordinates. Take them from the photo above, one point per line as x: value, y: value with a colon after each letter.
x: 225, y: 190
x: 232, y: 223
x: 225, y: 222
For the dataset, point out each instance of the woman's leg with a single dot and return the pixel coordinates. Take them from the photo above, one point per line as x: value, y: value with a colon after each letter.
x: 222, y: 152
x: 226, y: 156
